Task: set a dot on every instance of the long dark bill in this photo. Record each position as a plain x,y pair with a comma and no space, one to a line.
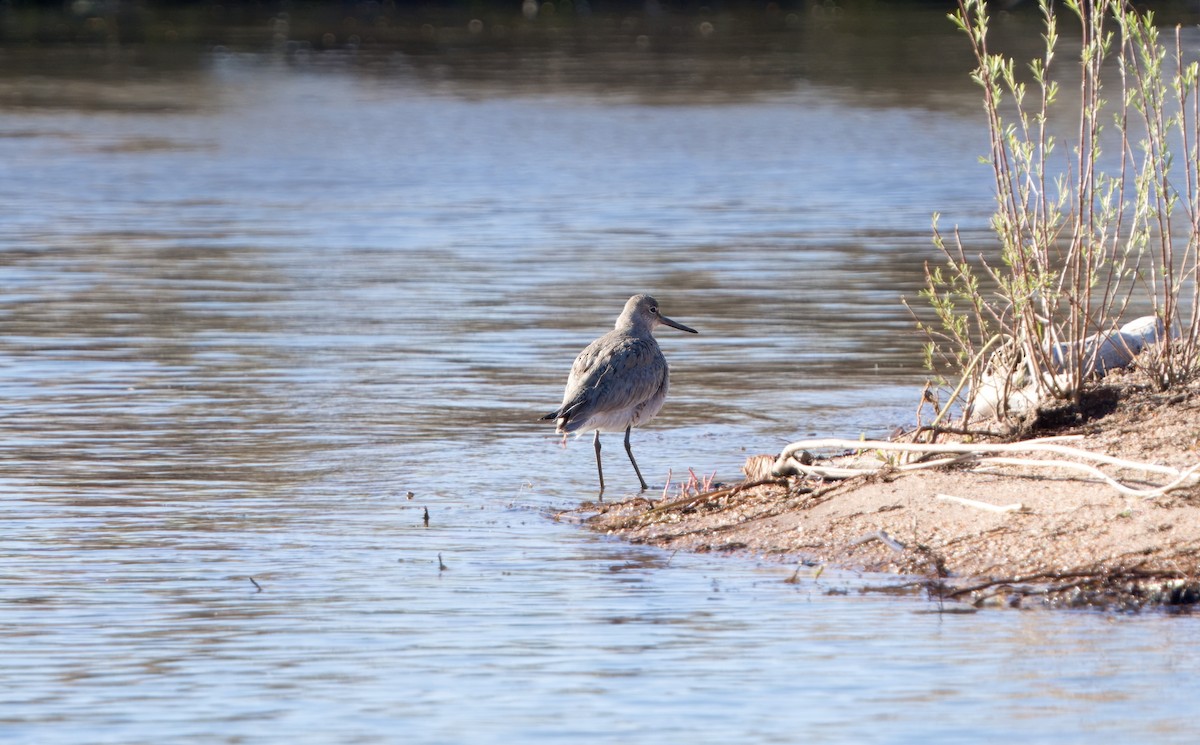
677,325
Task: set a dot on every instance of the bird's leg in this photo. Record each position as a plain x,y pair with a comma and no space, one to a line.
599,468
629,450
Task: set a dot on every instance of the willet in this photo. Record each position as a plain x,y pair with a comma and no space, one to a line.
619,381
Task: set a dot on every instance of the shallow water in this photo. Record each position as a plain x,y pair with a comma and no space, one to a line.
261,314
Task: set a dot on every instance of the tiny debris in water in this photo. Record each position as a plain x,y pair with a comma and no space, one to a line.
795,578
426,518
441,566
410,495
257,586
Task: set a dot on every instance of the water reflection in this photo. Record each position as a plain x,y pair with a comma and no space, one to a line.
880,55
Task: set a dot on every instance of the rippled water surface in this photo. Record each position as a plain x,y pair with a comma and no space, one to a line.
262,314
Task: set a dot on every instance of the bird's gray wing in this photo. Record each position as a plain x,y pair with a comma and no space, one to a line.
613,374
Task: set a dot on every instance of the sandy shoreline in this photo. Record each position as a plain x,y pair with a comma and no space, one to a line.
1073,541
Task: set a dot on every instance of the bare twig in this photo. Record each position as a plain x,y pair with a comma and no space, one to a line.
882,537
985,454
976,504
707,496
1041,445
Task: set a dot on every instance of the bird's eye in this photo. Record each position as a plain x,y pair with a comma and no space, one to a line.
654,309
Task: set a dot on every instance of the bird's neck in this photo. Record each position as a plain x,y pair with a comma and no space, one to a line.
633,327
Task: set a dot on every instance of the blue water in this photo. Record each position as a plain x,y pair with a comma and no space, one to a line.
253,329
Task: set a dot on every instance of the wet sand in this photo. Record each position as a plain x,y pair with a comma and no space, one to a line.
1065,539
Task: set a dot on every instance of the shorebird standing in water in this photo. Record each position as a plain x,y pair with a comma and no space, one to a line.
619,381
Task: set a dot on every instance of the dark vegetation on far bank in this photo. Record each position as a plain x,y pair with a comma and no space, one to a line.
254,25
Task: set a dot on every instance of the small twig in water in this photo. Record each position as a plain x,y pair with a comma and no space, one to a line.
795,578
257,586
441,566
426,518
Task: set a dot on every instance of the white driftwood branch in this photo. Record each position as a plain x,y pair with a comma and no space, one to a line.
985,454
849,472
1014,507
1044,445
1179,482
831,472
882,537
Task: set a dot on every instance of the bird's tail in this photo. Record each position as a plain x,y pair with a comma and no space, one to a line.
571,416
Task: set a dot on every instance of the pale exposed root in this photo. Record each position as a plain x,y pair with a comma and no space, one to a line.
986,455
